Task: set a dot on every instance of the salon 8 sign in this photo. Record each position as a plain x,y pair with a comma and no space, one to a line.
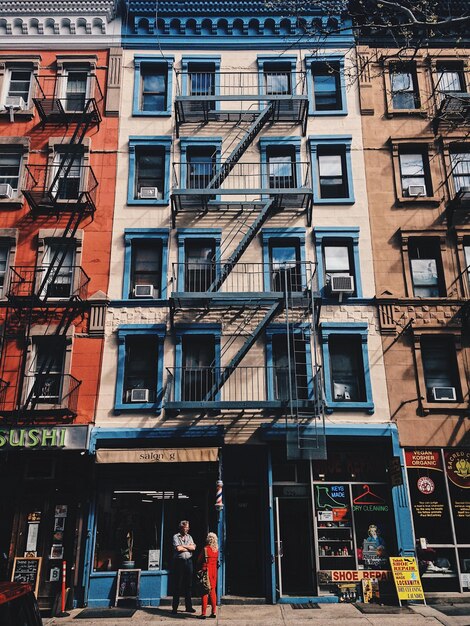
44,438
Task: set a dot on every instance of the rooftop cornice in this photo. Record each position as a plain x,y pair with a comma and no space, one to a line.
228,7
59,7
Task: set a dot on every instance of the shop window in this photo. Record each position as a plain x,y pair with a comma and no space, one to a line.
10,169
152,86
139,381
346,363
427,274
337,253
284,262
460,169
145,263
414,173
404,87
289,366
331,170
450,78
149,170
441,375
198,258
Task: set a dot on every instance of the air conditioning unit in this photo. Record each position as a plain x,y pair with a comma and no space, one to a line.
341,392
143,291
15,102
342,283
6,191
139,395
444,394
149,193
415,191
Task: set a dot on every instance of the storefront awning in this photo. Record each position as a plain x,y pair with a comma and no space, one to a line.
157,455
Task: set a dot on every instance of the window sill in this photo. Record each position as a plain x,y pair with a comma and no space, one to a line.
434,200
437,407
334,112
137,201
148,407
27,114
146,302
331,406
406,112
151,113
12,203
329,201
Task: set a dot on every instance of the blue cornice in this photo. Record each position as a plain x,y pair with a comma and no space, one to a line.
223,7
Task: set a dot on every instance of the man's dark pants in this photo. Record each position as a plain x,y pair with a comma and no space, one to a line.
182,581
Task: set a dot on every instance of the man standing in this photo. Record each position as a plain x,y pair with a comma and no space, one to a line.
183,547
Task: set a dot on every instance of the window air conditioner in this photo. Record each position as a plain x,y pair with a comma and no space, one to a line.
444,394
149,193
15,102
139,395
6,191
143,291
342,283
414,191
341,391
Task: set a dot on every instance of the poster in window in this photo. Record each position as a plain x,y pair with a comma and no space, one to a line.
458,473
428,496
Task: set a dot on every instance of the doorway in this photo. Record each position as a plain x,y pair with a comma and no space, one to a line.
294,558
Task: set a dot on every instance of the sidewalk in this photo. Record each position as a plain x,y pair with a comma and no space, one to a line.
275,615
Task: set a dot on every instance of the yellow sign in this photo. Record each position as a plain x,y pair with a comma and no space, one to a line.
406,576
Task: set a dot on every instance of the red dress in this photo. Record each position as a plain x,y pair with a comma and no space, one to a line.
210,564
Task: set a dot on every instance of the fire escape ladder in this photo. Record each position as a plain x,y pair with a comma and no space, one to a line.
240,355
227,166
249,235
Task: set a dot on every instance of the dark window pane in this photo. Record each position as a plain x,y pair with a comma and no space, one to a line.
326,86
146,266
439,364
199,265
347,369
332,173
150,171
198,375
154,89
141,366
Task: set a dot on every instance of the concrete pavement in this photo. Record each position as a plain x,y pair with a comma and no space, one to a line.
277,615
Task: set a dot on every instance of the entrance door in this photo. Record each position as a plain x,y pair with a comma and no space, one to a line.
294,530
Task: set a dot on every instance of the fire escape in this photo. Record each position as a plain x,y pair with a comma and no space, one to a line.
250,298
60,193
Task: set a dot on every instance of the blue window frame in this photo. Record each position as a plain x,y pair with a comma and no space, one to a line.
280,162
284,263
153,83
139,382
149,170
200,157
337,252
145,263
346,366
201,77
326,85
282,377
198,258
276,75
332,169
197,360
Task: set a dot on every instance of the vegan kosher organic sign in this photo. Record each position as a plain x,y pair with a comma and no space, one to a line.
44,438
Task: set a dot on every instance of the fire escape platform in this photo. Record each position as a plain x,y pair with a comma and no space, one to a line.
203,200
221,299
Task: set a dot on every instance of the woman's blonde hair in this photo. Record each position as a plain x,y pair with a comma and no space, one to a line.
211,541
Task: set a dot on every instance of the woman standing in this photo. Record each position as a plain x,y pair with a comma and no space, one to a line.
208,560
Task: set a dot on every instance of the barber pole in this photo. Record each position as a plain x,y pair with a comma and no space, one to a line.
64,578
219,505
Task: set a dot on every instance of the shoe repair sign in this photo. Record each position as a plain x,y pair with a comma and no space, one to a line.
406,576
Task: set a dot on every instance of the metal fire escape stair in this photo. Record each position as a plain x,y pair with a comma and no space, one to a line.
239,356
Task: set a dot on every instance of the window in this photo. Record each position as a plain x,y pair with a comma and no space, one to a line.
198,258
460,167
466,251
139,382
4,263
10,168
145,263
346,365
450,78
57,270
68,185
331,162
277,79
152,85
20,85
441,375
76,90
403,86
149,170
289,367
326,85
281,168
284,259
337,254
427,274
198,375
201,166
202,80
47,368
414,173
